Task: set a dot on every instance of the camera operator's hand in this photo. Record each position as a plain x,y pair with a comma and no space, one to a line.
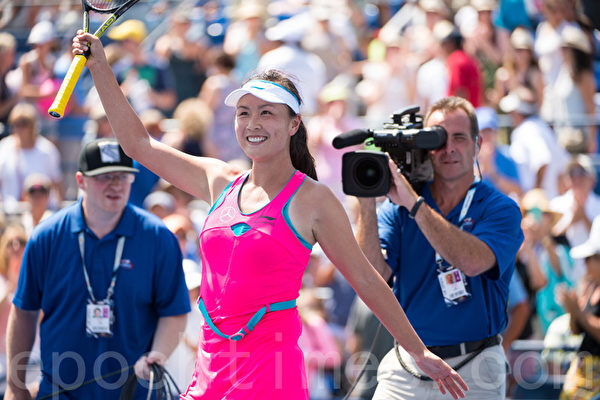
401,192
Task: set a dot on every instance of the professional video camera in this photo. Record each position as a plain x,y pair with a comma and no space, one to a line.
365,173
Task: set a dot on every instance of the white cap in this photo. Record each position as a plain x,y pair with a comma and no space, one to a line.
592,245
290,30
265,90
520,100
42,32
574,37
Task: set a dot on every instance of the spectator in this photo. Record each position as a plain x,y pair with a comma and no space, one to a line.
144,80
77,242
26,152
581,381
548,262
37,195
570,105
540,160
221,142
325,41
332,119
322,353
432,76
579,205
483,42
387,85
464,78
37,65
97,126
548,43
194,118
289,56
184,53
520,68
519,311
12,245
146,180
187,237
245,39
160,203
8,99
497,166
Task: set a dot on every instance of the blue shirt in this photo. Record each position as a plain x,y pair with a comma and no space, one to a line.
150,284
493,218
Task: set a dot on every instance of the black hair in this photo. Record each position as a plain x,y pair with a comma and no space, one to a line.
302,160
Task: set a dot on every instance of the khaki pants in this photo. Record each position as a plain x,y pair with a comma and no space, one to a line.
485,375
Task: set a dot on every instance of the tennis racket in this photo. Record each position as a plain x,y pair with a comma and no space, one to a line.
117,8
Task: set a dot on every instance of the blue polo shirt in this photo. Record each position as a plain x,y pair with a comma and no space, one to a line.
493,218
150,284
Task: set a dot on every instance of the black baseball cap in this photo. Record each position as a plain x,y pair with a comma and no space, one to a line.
102,156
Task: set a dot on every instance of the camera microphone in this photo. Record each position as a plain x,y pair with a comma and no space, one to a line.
350,138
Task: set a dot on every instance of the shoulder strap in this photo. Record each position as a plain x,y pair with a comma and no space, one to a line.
289,189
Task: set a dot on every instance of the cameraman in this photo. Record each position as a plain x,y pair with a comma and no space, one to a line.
459,237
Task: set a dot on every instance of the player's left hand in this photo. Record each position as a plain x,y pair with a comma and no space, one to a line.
441,373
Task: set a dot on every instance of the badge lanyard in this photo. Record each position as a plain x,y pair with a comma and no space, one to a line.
99,313
453,282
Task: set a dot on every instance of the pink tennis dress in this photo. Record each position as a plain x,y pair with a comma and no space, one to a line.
251,263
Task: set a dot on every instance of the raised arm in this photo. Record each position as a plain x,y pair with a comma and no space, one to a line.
202,177
331,228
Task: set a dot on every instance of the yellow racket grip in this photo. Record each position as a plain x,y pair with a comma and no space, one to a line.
57,109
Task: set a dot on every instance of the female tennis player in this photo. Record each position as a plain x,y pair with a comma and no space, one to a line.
257,240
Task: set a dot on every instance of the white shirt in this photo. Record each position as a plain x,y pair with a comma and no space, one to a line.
306,69
578,232
17,164
533,145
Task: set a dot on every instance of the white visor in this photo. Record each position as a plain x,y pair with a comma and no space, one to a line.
264,90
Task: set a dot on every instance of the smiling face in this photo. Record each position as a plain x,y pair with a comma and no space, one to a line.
454,161
263,129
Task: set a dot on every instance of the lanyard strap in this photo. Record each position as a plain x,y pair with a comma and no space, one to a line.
463,213
116,265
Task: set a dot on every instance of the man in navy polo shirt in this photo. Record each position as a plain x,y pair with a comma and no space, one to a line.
109,281
451,248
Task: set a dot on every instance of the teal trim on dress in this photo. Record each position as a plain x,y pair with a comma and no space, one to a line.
240,228
221,197
255,211
286,217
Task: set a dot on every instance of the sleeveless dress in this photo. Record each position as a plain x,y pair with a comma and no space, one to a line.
249,261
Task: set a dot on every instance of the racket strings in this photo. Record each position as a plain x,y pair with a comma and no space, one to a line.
106,5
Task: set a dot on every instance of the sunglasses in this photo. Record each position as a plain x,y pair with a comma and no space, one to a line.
37,190
20,123
16,244
577,172
124,177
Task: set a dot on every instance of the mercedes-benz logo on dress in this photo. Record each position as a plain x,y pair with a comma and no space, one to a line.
227,214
